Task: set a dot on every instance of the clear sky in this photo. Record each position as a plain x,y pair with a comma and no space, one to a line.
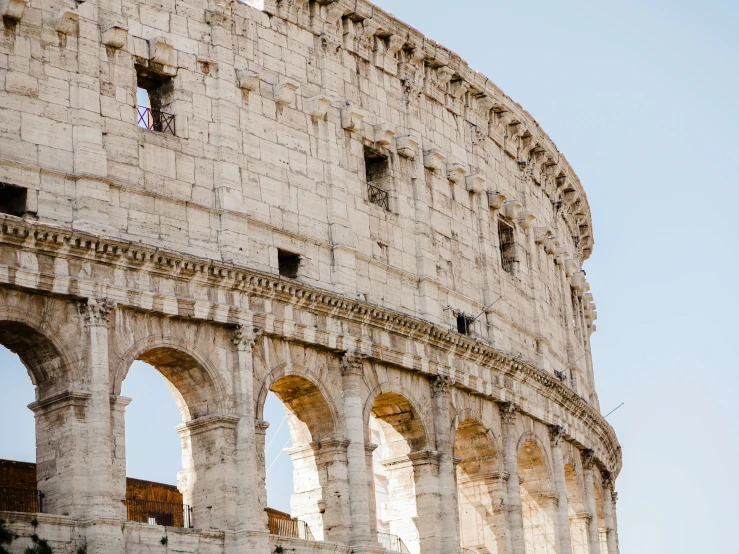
641,96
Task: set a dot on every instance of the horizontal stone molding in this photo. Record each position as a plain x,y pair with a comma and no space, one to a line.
57,242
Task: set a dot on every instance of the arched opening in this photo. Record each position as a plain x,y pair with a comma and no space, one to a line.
401,471
538,500
576,511
602,526
479,490
154,455
18,485
319,495
35,466
162,490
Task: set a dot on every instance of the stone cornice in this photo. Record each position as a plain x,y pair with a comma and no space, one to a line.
58,242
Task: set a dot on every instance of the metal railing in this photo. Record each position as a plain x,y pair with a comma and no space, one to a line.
285,526
392,542
21,500
378,197
155,120
510,265
169,514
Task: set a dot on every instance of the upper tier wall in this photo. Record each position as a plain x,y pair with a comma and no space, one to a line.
275,112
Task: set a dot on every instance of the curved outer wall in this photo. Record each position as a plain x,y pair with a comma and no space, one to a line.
415,192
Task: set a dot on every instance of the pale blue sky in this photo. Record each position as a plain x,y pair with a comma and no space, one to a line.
642,99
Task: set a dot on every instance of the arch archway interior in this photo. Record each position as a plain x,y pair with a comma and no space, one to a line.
477,486
537,500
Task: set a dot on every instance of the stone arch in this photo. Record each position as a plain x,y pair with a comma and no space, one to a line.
402,461
38,330
320,495
480,485
538,500
302,392
396,400
36,341
599,511
197,388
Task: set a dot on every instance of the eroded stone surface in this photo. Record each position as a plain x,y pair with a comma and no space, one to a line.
437,298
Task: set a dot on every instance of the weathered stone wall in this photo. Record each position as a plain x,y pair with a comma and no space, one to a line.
139,244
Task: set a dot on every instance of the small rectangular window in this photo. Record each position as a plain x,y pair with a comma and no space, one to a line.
154,95
379,179
464,323
289,264
13,199
507,238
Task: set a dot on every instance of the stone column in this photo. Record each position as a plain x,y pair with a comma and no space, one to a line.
449,515
369,451
207,484
99,462
430,519
322,495
560,487
61,446
260,430
589,500
352,369
508,416
609,512
250,513
118,406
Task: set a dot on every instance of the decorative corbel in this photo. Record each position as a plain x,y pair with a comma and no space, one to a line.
407,146
525,219
541,234
395,44
551,244
496,199
160,50
351,118
459,88
369,28
248,80
485,103
285,92
317,106
577,281
444,75
455,172
433,159
12,9
383,134
66,21
510,209
114,35
570,267
476,183
516,130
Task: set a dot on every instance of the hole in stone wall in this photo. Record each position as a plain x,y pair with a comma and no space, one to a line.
289,264
507,239
379,178
13,199
464,323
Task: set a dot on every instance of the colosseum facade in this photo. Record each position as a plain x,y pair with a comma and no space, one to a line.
311,198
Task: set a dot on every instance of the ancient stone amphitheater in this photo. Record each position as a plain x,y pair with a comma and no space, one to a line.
311,198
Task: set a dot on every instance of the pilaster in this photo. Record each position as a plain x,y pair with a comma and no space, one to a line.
609,513
556,433
588,464
508,418
352,370
449,518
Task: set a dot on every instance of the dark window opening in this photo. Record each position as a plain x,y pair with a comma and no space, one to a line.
289,264
154,96
13,199
379,179
507,237
464,323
